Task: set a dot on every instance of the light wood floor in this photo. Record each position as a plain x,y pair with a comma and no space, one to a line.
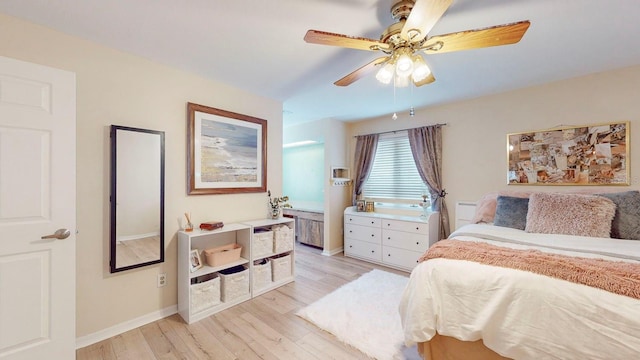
137,251
265,327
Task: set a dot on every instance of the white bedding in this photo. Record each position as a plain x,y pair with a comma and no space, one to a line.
522,315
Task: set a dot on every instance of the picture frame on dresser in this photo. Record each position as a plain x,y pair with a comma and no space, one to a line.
226,152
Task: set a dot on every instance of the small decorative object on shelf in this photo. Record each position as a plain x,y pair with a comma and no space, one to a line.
211,225
189,226
276,204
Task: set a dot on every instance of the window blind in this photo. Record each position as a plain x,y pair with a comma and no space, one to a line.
394,174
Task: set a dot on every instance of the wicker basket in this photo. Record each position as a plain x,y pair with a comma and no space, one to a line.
280,267
262,244
223,254
235,285
205,294
262,274
282,239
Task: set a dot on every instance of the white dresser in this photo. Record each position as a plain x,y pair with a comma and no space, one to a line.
391,240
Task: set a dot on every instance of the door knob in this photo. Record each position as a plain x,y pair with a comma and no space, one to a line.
59,234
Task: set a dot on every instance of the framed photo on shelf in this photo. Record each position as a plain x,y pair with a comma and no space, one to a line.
226,152
360,205
195,262
579,155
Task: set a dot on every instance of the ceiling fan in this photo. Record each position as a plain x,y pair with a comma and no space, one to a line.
408,36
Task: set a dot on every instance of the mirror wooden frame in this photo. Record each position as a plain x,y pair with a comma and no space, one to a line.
113,199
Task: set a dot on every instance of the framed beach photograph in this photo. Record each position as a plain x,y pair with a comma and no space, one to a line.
227,152
195,262
580,155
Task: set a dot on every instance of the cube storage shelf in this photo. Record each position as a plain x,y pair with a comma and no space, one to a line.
200,293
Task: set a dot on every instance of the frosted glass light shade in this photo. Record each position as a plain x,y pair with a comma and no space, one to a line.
420,69
385,74
404,65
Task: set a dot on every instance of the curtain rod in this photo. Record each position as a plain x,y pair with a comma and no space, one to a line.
395,131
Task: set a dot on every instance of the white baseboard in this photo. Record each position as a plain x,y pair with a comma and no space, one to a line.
332,252
125,326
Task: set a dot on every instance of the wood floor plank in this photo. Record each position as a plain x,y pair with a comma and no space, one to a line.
263,328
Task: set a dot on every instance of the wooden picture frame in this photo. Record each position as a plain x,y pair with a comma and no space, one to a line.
195,261
360,205
226,152
580,155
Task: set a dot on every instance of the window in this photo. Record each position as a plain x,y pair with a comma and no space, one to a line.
394,175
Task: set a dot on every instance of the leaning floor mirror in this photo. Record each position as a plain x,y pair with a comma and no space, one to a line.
137,198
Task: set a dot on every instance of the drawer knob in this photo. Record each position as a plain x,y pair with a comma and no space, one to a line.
372,222
350,231
388,254
350,246
372,235
417,242
389,238
373,251
417,228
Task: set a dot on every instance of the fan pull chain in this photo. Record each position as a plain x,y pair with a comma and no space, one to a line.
395,116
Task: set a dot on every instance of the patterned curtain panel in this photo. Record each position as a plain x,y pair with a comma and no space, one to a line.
426,146
366,146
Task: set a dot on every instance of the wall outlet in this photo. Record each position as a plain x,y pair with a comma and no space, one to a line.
162,279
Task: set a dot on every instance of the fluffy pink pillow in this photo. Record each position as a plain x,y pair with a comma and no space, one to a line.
486,206
570,214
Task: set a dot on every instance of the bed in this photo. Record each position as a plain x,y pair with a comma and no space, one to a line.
466,302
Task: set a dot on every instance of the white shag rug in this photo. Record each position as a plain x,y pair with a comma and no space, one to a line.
364,314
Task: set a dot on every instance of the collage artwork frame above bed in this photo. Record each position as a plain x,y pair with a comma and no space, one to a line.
534,275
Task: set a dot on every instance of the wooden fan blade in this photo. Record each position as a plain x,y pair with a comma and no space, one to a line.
423,17
352,42
480,38
428,80
361,72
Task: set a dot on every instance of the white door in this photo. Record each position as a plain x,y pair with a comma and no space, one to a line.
37,197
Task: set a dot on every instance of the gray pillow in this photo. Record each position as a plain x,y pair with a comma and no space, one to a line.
626,222
511,212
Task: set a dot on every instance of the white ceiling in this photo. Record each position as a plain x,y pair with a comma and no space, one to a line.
257,45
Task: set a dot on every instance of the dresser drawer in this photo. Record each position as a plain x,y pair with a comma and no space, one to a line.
362,220
362,249
363,233
405,240
407,226
400,257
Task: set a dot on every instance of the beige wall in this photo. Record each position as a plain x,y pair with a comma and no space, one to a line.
474,150
117,88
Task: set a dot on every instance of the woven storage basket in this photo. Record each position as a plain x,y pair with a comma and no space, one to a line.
204,295
282,239
262,244
280,267
223,254
262,274
235,285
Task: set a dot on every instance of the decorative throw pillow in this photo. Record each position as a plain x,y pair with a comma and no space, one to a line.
626,222
570,214
511,212
486,206
485,209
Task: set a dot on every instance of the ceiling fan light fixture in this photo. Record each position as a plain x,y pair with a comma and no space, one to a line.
404,65
420,69
385,74
401,81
